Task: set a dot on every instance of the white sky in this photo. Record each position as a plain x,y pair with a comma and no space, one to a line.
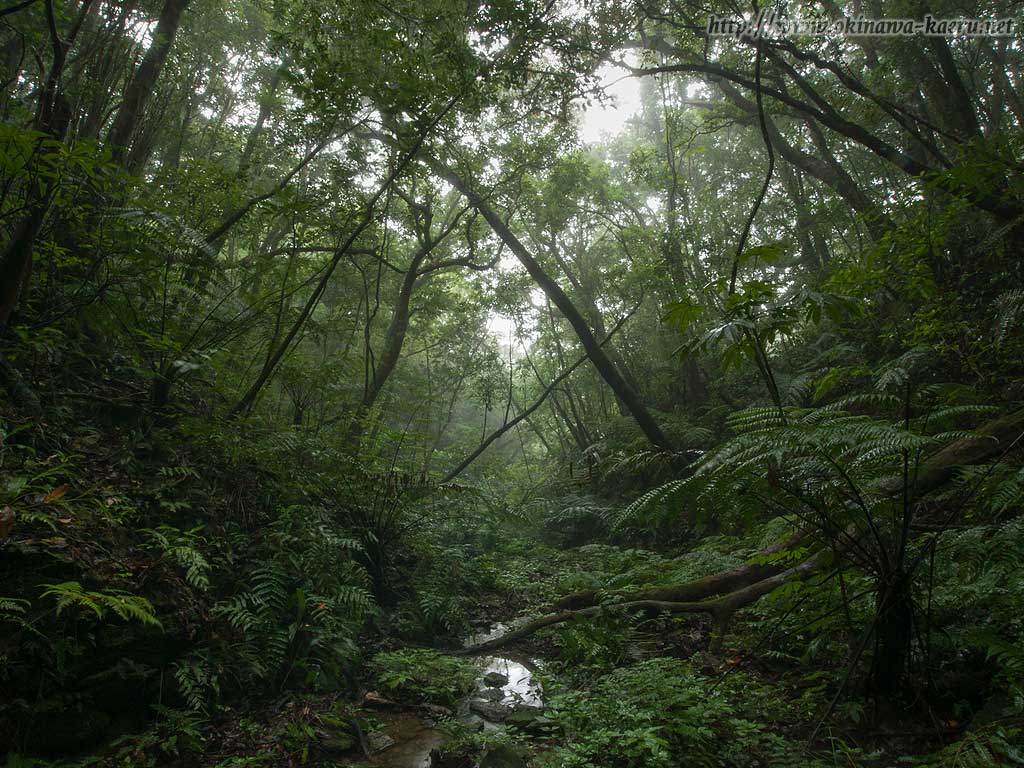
603,121
599,123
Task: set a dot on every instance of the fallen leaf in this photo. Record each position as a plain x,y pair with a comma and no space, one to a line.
56,493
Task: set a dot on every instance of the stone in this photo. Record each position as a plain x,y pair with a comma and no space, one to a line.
472,723
502,756
374,699
495,679
528,719
336,743
490,710
378,741
435,710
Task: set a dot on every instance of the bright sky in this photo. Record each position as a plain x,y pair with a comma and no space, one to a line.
599,122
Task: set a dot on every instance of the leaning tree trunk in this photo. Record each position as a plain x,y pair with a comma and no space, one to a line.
143,82
554,292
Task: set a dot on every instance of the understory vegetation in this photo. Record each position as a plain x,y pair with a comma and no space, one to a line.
374,391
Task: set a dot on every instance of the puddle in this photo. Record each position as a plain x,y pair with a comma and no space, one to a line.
414,742
521,690
495,631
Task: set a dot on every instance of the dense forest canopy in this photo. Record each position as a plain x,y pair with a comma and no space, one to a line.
345,344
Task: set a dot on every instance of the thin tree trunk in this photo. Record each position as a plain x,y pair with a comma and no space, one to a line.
525,414
52,119
247,400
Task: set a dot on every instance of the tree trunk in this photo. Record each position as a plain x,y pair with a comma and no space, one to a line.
143,82
554,292
894,609
395,338
52,119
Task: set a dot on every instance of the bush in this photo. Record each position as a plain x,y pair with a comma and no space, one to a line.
657,713
422,675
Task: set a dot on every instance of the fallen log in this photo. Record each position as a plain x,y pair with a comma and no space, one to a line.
722,594
700,589
721,608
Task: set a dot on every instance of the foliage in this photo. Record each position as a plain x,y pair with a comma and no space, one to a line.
331,326
423,675
122,604
655,713
181,547
300,608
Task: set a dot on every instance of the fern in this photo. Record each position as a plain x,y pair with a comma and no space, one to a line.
122,604
198,682
998,488
303,604
982,747
1010,308
894,375
180,547
818,453
13,610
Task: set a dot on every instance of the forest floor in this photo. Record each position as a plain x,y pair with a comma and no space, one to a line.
603,679
617,690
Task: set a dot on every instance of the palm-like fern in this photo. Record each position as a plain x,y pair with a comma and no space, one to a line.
852,478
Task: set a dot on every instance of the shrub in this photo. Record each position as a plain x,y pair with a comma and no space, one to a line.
422,675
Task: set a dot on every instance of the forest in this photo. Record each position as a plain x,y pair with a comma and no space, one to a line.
511,384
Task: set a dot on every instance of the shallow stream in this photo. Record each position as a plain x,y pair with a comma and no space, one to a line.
505,686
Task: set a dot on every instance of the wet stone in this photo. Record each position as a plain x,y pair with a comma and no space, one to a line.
502,756
379,741
495,679
336,743
494,711
471,722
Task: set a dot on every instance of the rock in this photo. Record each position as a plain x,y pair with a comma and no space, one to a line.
378,741
705,662
490,710
472,723
495,679
335,743
441,759
435,710
490,694
374,699
502,756
529,720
